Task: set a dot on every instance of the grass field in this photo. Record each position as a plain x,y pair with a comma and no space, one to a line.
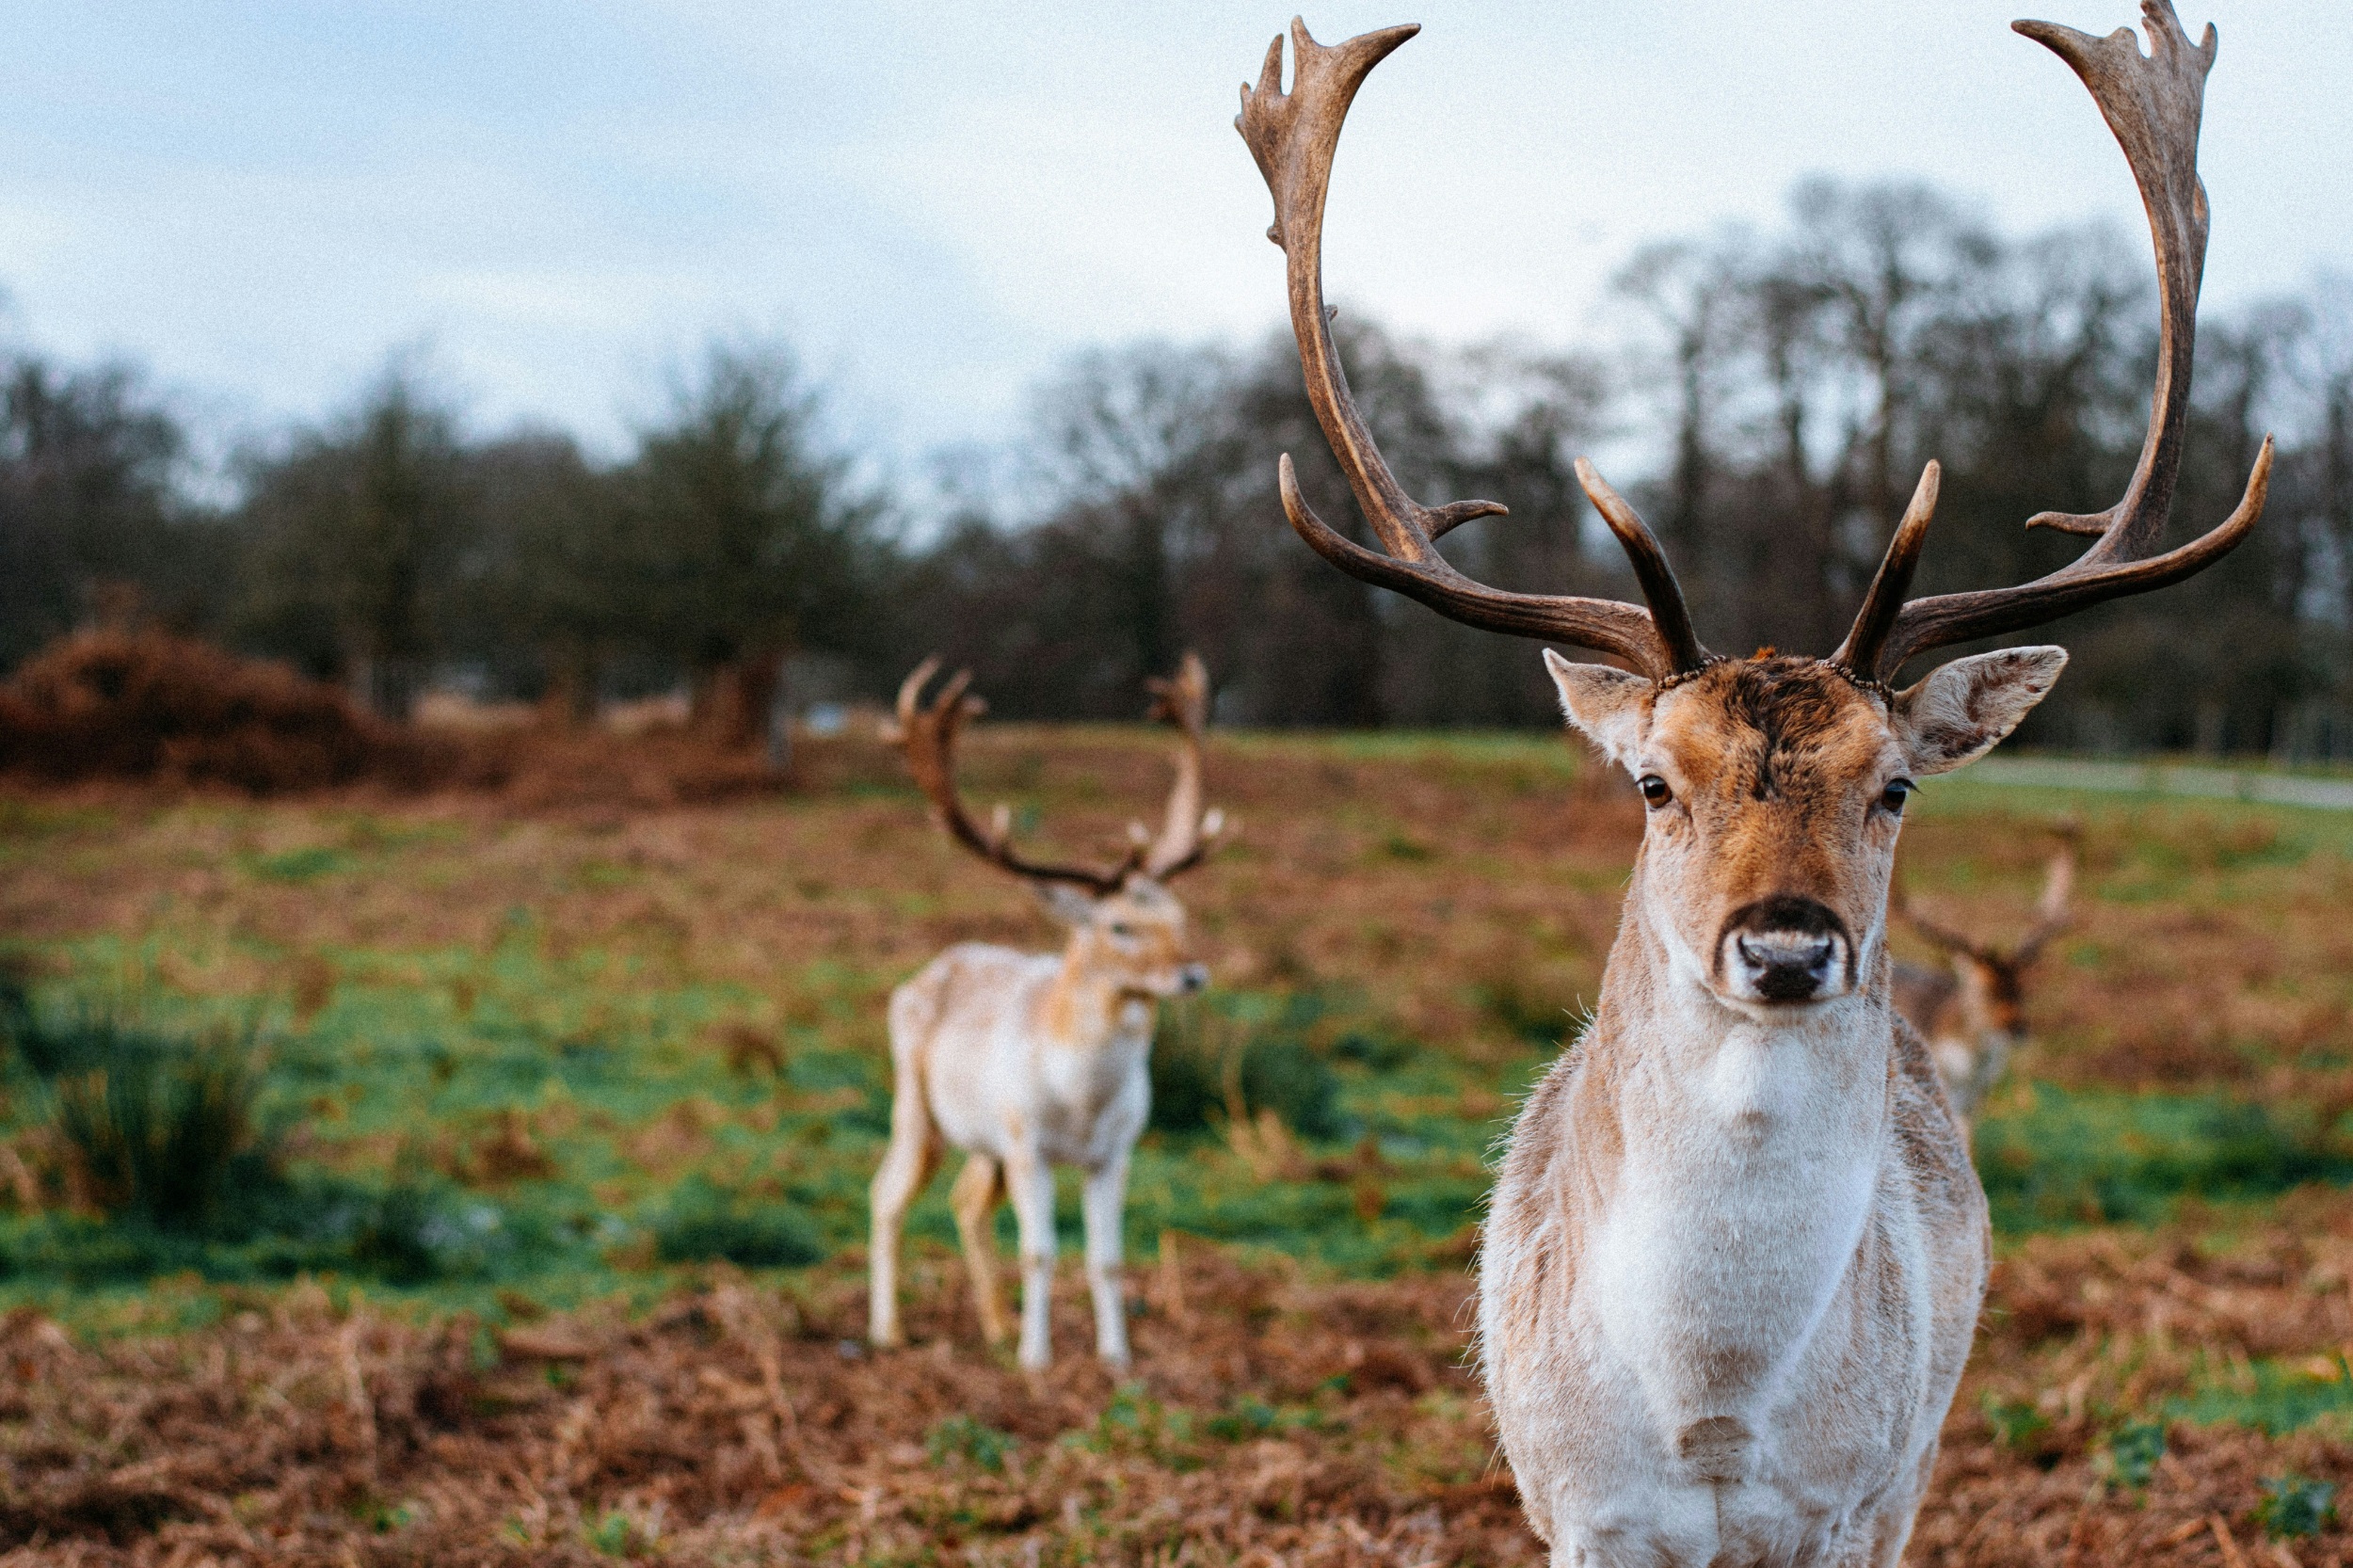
544,1236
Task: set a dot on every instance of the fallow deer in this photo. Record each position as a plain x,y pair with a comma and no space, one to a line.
1736,1252
1026,1061
1973,1013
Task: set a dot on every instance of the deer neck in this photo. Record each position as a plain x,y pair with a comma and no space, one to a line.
1087,1011
1747,1147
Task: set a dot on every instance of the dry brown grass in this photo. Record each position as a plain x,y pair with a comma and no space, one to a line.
1471,898
736,1424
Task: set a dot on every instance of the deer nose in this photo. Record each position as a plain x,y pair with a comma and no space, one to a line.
1192,977
1783,948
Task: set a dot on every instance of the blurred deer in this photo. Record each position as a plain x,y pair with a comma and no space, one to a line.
1027,1061
1736,1253
1973,1014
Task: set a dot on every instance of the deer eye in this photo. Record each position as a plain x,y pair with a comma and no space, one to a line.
1892,798
1654,790
1122,929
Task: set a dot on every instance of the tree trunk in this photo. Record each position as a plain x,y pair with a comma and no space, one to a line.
570,702
732,700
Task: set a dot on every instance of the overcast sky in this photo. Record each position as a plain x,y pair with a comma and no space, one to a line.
560,203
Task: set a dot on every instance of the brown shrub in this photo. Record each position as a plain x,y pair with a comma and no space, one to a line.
146,704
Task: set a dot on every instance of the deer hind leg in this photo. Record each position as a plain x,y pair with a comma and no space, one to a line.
1030,1181
979,1185
907,1163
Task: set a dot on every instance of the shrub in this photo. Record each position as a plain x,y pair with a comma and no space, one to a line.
703,1224
1215,1058
146,704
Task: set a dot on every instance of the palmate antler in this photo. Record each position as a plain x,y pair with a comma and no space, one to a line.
927,733
2053,915
2153,104
1293,136
1187,833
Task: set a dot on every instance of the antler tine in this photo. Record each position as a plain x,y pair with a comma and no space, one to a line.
928,736
1884,600
1943,937
2153,103
2052,914
1189,832
1293,136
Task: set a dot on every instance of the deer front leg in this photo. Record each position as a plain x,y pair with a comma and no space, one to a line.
1104,1206
975,1201
1030,1182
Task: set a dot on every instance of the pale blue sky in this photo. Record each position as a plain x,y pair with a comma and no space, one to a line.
562,202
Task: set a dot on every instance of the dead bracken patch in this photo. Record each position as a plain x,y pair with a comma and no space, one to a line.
1271,1418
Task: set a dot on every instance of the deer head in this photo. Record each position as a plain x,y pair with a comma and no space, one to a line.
1991,979
1127,930
1775,784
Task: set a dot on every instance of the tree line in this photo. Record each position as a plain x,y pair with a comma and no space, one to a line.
1779,395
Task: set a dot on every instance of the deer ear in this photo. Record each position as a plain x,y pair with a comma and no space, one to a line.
1608,706
1960,710
1065,902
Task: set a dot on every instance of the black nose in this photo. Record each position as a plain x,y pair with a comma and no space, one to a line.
1783,948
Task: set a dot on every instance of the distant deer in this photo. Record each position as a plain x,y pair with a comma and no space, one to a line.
1973,1014
1027,1061
1736,1253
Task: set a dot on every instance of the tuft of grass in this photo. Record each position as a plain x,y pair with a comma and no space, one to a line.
156,1123
2129,1454
2295,1506
2017,1426
968,1438
613,1533
705,1224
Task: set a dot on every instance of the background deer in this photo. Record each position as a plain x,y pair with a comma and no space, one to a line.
1736,1253
1026,1061
1973,1013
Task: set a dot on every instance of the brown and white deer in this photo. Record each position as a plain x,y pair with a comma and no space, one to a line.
1736,1252
1973,1012
1027,1061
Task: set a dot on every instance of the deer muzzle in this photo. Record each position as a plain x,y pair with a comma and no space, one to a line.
1784,948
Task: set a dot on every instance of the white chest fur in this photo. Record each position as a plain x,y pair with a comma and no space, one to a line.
1747,1179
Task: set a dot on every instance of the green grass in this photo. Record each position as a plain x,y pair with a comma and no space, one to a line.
2269,1397
652,1155
2054,1157
536,1114
647,1154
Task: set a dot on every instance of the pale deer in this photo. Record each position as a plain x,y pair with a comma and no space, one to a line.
1973,1013
1027,1061
1736,1252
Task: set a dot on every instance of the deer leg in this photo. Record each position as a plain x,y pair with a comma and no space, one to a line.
1104,1204
906,1163
975,1200
1030,1181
